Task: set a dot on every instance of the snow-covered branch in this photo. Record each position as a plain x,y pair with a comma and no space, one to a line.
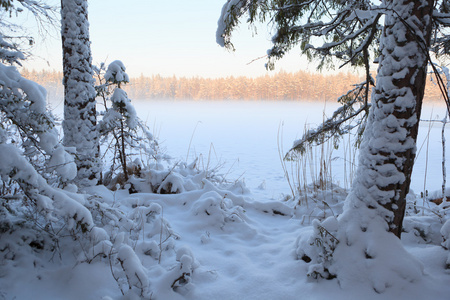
337,125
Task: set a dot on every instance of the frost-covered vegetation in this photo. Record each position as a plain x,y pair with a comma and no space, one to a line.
139,225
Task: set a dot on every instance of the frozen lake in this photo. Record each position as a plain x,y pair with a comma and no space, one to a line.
242,136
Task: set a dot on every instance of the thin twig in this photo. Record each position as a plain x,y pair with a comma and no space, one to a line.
258,58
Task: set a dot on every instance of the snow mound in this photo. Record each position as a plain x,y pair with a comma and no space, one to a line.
217,210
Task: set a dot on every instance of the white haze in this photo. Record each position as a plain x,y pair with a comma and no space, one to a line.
241,136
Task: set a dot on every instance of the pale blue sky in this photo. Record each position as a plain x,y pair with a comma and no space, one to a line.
167,37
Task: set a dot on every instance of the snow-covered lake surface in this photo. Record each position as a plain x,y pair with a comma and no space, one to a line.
243,136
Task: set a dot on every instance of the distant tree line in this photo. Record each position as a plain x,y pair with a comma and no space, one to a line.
298,86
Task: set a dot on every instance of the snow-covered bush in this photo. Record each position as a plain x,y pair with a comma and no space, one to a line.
322,244
35,213
424,218
125,137
217,210
134,271
28,125
181,177
183,270
31,157
445,231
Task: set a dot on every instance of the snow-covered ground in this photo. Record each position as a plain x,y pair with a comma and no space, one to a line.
217,240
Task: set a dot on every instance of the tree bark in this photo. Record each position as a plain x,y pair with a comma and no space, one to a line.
391,143
362,245
80,114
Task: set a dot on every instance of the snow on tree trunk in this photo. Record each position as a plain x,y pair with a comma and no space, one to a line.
79,94
389,149
362,245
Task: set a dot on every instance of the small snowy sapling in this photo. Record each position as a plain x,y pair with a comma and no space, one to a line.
120,128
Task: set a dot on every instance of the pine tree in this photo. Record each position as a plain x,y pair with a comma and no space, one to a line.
352,31
120,127
80,121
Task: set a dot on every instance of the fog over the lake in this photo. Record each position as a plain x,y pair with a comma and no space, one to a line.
241,137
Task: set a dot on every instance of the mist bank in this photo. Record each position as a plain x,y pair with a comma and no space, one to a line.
299,86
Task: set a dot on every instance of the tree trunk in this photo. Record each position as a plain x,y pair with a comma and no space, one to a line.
362,245
389,149
80,121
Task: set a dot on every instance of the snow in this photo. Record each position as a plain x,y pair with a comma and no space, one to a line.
63,164
79,121
122,104
225,18
26,103
189,230
357,248
57,203
252,257
221,239
133,268
116,73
